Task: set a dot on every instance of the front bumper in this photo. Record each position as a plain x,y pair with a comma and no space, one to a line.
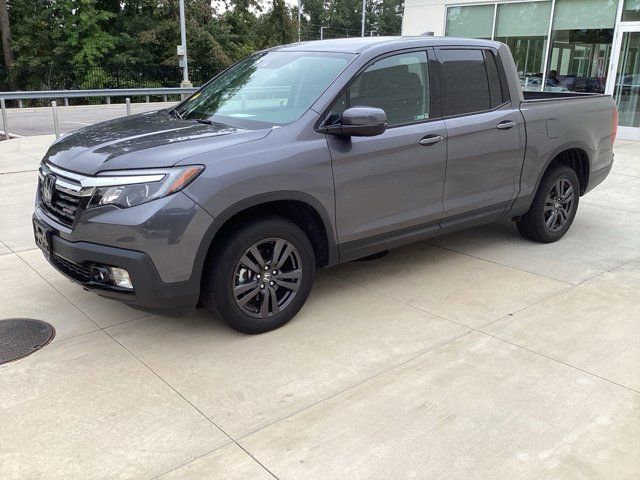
74,259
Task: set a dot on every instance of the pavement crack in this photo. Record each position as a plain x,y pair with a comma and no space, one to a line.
511,267
377,292
560,362
59,292
210,452
361,382
257,461
169,385
566,289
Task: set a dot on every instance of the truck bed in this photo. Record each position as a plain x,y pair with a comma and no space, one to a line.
558,121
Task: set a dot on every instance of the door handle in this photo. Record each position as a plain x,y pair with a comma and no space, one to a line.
431,140
506,125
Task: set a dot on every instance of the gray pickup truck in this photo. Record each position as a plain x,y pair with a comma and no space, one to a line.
309,155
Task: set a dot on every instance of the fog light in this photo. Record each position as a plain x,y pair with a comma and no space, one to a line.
120,278
100,274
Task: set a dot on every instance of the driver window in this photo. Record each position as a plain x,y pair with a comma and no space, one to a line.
399,85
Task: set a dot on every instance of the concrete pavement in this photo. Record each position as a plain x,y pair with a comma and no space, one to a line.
475,355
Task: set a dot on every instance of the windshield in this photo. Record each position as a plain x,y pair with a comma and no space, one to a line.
266,89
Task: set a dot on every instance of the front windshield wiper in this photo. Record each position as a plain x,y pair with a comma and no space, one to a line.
206,121
174,113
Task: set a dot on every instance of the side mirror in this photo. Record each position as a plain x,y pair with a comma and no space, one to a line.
359,122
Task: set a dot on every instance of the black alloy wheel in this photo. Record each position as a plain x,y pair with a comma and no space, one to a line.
554,206
267,277
559,205
260,276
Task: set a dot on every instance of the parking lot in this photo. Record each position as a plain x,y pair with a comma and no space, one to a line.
476,355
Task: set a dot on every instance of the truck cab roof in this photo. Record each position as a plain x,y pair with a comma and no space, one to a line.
362,44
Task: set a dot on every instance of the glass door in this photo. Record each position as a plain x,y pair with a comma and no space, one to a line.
625,88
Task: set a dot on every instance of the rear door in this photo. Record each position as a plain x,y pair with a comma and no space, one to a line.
484,134
392,181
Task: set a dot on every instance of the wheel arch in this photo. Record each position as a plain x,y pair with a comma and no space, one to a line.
578,160
303,209
574,155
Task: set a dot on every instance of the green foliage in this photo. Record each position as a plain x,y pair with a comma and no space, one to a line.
276,25
388,14
87,36
37,35
83,35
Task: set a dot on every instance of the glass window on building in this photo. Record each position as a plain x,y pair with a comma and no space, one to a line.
470,22
524,28
627,87
581,45
631,11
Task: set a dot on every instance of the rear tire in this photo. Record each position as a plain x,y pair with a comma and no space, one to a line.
240,284
554,206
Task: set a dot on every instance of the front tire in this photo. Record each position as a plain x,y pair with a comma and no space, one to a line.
554,206
261,276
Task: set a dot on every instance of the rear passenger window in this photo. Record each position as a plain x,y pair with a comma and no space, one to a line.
495,91
471,84
398,84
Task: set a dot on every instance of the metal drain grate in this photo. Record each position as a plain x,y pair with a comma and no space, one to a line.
20,337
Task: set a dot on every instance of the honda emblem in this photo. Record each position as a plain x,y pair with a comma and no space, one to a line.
48,186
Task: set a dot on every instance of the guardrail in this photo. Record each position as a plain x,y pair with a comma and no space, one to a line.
106,93
67,94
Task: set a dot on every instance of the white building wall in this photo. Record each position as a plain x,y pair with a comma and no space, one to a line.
422,16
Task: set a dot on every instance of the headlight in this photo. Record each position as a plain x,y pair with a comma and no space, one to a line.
133,187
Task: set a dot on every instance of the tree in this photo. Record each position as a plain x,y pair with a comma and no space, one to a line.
5,28
35,40
62,43
87,38
345,16
242,19
276,27
388,16
314,16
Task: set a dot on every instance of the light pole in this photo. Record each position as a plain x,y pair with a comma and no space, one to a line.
299,11
183,41
364,12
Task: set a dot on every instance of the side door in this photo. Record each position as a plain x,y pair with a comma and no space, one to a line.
392,181
485,135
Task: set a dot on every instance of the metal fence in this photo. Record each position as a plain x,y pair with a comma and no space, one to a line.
65,95
56,77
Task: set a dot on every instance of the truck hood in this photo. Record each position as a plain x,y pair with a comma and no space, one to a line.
148,140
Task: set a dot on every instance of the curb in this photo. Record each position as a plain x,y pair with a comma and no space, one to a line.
11,135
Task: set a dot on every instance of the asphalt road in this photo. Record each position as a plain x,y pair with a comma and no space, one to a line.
39,121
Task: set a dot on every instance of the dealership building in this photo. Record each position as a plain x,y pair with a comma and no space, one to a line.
558,45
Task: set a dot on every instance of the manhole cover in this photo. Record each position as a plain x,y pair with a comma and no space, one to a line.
20,337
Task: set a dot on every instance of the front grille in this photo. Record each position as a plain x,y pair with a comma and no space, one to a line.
64,206
68,197
74,270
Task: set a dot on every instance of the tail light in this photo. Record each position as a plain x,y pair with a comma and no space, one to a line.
614,126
